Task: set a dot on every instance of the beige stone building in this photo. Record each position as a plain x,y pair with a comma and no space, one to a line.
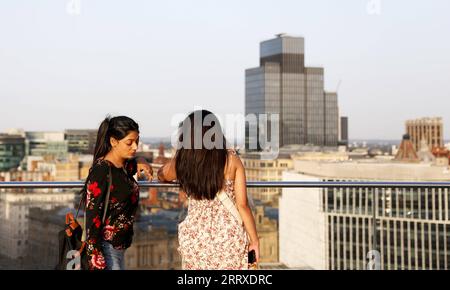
43,245
15,208
268,234
429,129
257,169
153,249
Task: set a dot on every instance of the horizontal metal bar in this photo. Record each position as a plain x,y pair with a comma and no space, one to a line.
250,184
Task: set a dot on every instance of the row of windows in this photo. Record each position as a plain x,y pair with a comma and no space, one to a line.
433,204
11,147
340,227
263,165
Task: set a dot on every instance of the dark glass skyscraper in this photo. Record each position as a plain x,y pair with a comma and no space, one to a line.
344,130
81,141
12,151
283,85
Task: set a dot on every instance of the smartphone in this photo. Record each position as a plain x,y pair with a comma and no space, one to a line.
251,257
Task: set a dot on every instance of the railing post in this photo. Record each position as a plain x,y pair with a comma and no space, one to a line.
374,220
374,255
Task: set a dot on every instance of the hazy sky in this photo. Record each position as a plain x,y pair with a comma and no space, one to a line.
153,59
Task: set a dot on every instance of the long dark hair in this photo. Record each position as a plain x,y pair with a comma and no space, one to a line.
118,128
200,167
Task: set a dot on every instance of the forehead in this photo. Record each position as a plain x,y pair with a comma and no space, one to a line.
133,135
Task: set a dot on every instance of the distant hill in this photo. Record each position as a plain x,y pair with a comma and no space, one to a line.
156,140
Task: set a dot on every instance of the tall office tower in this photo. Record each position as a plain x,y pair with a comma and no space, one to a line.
283,85
344,131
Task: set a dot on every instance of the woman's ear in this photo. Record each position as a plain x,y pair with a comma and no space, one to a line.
113,142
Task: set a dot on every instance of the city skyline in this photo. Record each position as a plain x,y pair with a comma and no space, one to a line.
167,139
356,178
108,59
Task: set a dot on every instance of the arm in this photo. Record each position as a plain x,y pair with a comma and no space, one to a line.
167,172
240,188
96,191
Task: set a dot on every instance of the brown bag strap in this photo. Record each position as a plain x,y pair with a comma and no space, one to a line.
108,191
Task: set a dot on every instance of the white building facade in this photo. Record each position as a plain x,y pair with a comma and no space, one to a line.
334,228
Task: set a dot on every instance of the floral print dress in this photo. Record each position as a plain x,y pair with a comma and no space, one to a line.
210,237
123,203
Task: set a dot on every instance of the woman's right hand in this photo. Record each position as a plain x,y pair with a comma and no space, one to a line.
143,168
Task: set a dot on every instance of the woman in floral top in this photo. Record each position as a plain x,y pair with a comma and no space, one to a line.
116,146
211,237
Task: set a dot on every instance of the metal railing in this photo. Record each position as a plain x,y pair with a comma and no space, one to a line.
250,184
263,184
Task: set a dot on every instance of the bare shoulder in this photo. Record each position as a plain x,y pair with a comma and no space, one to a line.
168,171
235,160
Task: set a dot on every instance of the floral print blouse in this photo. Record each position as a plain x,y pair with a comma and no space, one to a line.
123,203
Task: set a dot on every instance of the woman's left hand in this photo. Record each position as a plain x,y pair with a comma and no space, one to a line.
144,168
255,246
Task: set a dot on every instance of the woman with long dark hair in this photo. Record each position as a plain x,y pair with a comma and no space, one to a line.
219,229
109,222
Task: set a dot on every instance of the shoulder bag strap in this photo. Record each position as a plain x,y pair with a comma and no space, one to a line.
229,205
108,191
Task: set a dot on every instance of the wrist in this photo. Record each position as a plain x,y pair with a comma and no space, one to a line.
254,241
